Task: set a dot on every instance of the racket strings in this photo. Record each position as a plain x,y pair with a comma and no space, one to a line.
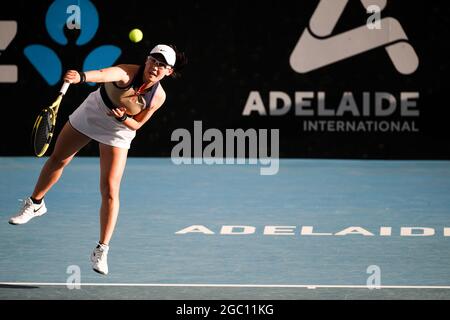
44,125
43,132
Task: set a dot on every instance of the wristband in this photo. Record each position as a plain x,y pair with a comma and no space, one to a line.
82,76
122,118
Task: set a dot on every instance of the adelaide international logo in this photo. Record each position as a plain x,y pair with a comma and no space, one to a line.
319,47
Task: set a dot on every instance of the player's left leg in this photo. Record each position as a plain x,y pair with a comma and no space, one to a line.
112,165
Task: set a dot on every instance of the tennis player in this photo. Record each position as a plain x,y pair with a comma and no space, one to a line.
128,97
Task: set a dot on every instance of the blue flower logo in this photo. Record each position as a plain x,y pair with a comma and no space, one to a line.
47,62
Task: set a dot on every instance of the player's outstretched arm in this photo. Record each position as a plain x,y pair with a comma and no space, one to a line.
120,73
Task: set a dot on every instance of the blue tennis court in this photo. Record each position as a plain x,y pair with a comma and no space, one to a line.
319,229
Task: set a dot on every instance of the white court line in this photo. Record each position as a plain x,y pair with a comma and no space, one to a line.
209,285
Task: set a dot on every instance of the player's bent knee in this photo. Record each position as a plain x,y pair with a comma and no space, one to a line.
109,192
110,196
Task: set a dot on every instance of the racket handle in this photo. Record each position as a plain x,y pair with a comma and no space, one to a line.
64,87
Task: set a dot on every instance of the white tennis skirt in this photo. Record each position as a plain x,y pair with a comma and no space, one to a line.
91,119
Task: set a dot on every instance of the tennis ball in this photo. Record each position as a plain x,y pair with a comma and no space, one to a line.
135,35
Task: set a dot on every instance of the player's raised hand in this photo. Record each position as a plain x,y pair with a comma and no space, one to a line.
72,76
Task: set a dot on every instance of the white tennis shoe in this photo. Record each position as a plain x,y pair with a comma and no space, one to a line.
99,259
28,212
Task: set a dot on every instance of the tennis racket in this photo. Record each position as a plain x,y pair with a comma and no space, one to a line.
44,126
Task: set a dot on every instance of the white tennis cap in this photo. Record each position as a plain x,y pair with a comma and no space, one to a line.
167,52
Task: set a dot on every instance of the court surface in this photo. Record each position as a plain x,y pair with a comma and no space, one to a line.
319,229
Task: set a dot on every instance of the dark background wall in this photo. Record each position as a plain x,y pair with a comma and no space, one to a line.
235,47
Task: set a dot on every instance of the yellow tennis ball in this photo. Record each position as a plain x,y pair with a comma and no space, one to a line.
135,35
